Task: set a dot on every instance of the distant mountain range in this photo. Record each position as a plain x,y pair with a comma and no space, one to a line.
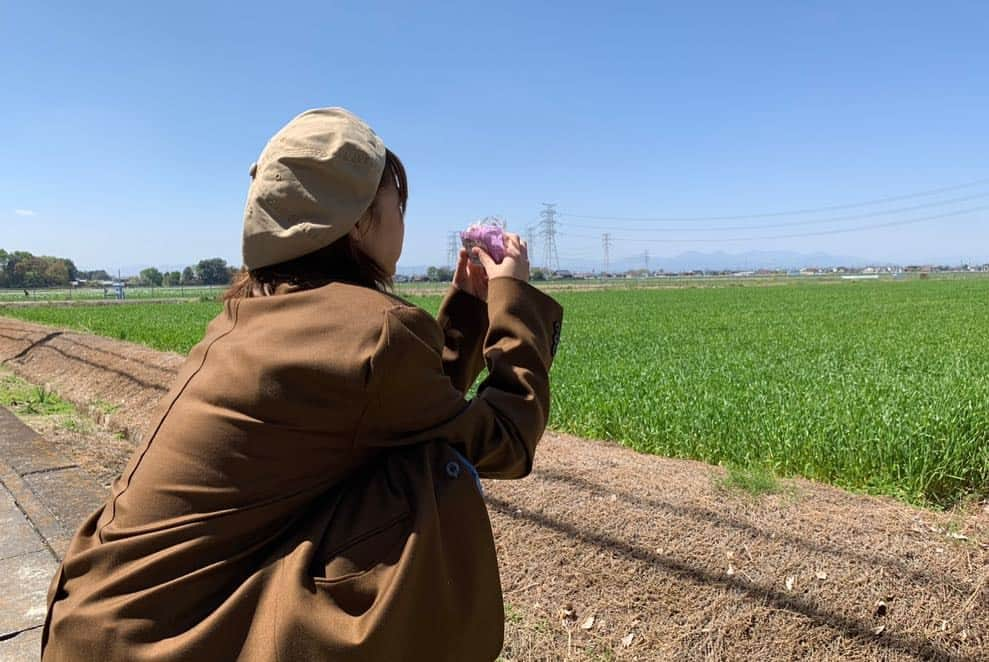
719,261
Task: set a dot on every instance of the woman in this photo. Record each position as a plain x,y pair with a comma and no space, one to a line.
307,490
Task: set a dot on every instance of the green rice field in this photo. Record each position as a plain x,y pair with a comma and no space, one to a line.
97,294
874,386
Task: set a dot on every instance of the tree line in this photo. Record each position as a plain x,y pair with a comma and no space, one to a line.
21,269
214,271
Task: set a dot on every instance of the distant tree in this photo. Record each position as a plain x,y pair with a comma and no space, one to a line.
12,274
29,271
188,276
439,274
213,272
537,274
151,276
171,279
56,272
98,274
22,269
70,266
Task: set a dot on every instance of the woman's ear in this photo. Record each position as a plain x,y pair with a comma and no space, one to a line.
363,224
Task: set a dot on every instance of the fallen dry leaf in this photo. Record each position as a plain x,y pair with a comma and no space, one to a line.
731,570
627,639
789,583
588,623
958,536
879,630
821,575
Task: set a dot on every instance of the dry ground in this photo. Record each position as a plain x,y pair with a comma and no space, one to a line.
610,554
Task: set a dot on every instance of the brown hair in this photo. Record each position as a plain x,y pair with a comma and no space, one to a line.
343,260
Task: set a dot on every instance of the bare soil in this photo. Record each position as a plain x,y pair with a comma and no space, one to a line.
609,554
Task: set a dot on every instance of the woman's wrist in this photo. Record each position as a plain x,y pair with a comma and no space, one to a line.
466,291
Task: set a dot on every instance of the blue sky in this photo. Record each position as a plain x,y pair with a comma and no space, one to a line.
128,130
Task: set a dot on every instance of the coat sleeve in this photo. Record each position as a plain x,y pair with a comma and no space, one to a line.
412,400
464,321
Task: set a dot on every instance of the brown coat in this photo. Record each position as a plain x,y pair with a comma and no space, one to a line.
306,491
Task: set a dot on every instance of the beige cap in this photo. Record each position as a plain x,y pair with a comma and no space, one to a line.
314,180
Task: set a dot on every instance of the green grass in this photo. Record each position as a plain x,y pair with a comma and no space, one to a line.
104,407
512,613
24,398
96,293
166,326
879,387
33,401
874,386
754,480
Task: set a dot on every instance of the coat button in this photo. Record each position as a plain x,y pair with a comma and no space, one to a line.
452,469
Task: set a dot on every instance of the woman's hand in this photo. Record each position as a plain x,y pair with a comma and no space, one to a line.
516,262
471,278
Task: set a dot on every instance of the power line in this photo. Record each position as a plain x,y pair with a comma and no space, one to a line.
799,234
452,249
791,212
833,219
530,238
551,260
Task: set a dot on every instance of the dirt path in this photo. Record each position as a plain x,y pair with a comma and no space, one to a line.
611,554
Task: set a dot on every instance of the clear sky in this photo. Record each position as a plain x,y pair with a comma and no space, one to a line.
127,128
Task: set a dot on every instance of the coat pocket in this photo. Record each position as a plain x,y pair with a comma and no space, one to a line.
381,545
398,564
353,575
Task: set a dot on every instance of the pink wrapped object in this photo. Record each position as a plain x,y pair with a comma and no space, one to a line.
489,235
